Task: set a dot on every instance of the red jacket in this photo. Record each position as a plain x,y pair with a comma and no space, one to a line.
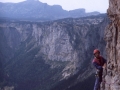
99,62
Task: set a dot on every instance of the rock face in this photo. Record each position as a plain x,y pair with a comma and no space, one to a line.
112,37
7,88
43,54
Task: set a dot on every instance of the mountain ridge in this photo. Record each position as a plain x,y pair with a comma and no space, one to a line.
39,11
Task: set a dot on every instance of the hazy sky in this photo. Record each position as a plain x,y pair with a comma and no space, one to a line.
89,5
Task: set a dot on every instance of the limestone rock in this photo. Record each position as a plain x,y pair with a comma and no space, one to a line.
65,46
112,37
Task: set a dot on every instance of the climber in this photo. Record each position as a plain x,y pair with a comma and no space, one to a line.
100,63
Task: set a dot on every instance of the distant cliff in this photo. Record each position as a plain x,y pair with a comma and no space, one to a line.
112,37
35,10
42,55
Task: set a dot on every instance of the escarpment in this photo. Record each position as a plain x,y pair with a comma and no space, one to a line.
112,37
48,55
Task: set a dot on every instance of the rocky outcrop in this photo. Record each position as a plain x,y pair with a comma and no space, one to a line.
112,37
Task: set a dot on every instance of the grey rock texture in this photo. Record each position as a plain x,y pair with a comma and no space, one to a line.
8,88
112,37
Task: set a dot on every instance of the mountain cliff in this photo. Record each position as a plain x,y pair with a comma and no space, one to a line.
112,37
37,11
50,55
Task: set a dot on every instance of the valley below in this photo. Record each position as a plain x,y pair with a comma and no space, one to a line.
52,55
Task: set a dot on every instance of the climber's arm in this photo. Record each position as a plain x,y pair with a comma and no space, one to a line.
97,66
105,64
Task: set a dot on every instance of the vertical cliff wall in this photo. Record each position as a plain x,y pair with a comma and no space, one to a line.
112,37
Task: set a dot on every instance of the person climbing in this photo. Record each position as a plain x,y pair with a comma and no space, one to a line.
99,62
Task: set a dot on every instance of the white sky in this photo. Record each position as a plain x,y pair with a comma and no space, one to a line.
89,5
